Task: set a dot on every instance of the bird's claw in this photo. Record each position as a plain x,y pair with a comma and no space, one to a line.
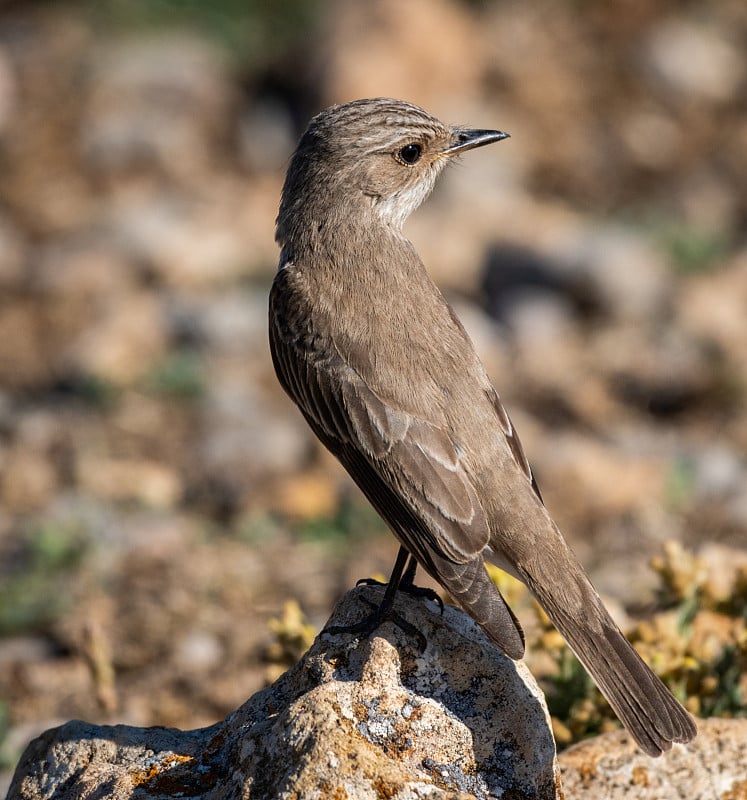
369,624
411,589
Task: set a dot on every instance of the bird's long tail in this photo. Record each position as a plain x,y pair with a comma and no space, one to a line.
644,705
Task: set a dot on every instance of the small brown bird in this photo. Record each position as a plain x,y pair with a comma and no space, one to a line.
387,378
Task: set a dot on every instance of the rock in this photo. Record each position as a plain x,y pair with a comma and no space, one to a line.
123,342
8,89
12,248
24,358
230,323
354,718
371,51
621,272
159,101
143,480
187,243
718,471
711,307
28,480
694,61
245,435
266,135
713,766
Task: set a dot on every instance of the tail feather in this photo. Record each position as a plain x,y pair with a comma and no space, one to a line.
470,586
641,701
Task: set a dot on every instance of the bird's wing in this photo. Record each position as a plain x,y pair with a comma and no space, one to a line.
380,444
409,468
512,439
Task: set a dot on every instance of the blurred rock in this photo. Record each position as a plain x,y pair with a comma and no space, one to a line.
24,356
369,52
12,253
659,370
515,275
197,242
307,496
28,480
80,282
7,411
21,649
121,480
709,205
245,439
8,89
694,60
123,341
718,472
712,306
162,102
255,217
619,268
459,719
81,271
41,181
712,767
605,480
232,322
199,651
491,345
267,136
654,140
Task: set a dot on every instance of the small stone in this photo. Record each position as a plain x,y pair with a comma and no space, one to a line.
199,651
124,342
8,90
694,60
307,496
618,268
120,480
12,252
28,482
266,136
159,100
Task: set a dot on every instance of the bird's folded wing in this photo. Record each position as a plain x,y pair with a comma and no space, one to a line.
422,462
412,473
415,457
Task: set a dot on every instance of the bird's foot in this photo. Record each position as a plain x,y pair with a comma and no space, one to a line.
408,588
381,613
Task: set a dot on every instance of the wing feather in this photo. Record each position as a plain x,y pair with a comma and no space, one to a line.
410,469
418,457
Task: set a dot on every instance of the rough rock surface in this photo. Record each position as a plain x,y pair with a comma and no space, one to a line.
369,718
712,767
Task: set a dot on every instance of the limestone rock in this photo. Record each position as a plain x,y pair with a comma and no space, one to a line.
365,718
712,767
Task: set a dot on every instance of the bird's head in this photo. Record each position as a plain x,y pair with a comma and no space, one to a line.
380,153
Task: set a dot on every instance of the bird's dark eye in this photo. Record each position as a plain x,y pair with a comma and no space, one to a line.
410,153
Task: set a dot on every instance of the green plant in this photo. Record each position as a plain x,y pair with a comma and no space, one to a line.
179,376
38,589
252,31
353,519
7,758
693,249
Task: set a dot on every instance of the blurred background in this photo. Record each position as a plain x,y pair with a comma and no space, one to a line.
161,501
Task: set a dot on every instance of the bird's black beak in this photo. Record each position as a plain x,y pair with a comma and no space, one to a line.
468,138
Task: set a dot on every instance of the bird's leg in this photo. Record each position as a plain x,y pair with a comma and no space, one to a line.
385,610
408,586
407,582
